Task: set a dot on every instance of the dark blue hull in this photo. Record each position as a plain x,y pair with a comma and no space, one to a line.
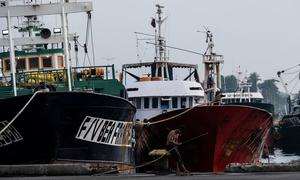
67,126
289,133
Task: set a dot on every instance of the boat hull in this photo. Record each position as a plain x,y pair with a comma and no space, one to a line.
289,131
56,126
235,134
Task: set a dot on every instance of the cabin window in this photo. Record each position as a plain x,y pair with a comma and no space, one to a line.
190,101
34,63
174,103
7,65
183,102
47,62
155,103
146,103
21,64
197,100
60,61
138,103
164,104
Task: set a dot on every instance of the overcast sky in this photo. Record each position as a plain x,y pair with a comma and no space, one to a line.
261,36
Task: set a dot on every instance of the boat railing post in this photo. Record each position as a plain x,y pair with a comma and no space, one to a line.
106,72
11,53
66,46
113,71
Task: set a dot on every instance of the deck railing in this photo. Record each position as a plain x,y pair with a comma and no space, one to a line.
82,77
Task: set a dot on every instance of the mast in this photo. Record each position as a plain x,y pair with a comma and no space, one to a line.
212,69
160,48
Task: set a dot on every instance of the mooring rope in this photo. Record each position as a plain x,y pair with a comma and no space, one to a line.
150,162
18,114
169,118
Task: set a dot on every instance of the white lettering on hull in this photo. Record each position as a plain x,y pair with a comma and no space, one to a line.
10,135
105,131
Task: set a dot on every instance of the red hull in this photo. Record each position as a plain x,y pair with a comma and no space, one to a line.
236,134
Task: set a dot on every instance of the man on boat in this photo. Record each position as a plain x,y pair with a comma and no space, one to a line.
218,98
172,146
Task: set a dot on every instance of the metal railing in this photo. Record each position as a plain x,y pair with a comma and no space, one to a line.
81,76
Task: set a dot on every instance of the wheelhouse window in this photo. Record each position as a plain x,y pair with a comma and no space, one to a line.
183,102
34,63
155,103
47,62
138,103
6,64
197,100
164,103
190,101
60,61
174,103
146,103
21,64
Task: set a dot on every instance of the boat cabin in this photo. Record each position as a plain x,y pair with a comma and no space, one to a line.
154,95
42,59
243,95
252,97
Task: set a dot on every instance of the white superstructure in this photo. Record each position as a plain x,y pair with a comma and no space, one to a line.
242,95
161,90
155,97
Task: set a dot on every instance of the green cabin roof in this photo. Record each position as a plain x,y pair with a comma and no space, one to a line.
32,53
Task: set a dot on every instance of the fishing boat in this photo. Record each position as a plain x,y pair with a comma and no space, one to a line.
159,90
52,112
288,131
244,96
214,135
289,125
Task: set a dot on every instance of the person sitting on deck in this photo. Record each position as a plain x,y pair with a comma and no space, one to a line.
172,146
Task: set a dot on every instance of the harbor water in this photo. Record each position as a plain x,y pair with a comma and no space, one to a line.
280,157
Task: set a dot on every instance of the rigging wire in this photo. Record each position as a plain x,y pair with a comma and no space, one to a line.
292,72
291,68
137,48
